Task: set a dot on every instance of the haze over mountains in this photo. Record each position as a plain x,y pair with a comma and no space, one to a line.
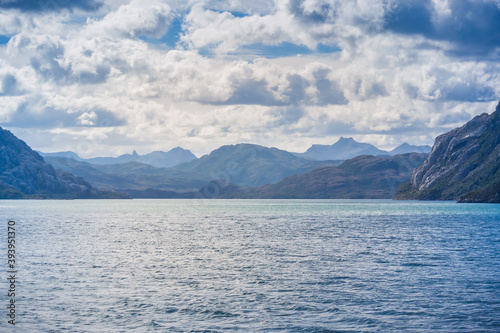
132,177
241,164
159,159
343,149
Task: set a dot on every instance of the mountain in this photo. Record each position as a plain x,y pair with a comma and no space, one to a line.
114,160
242,164
159,159
24,174
250,165
343,149
406,148
65,154
347,148
173,157
464,165
360,178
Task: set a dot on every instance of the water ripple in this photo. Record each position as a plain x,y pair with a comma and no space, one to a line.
256,266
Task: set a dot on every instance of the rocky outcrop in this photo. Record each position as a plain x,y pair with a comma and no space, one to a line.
464,164
24,174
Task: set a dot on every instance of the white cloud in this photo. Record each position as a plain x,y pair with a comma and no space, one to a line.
99,76
149,18
306,23
225,32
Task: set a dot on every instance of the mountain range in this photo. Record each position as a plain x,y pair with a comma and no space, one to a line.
464,165
252,171
159,159
343,149
242,164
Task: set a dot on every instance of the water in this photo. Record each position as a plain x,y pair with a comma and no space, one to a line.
253,266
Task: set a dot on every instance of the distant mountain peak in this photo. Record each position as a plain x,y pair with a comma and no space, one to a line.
343,149
65,154
406,148
134,153
347,148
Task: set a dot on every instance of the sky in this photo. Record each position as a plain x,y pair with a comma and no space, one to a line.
106,77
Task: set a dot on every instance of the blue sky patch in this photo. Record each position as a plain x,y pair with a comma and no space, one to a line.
4,39
286,49
171,37
327,49
175,30
237,14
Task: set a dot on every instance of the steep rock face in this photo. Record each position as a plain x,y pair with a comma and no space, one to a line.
462,161
24,173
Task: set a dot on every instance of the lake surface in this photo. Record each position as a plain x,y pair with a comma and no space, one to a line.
253,266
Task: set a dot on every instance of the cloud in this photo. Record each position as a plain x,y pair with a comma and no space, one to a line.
50,5
150,18
251,92
307,23
9,24
461,27
66,74
296,92
46,60
225,32
471,26
37,114
327,90
9,86
411,17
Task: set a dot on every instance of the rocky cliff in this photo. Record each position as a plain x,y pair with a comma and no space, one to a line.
24,174
464,165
